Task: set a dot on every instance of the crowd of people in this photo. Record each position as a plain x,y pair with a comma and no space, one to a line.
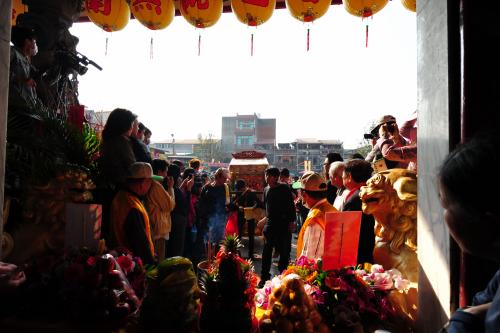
160,208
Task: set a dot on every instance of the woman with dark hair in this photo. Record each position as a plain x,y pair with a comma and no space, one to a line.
116,158
473,219
116,151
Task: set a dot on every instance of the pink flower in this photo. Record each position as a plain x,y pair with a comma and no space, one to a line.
302,261
310,289
377,268
382,281
261,299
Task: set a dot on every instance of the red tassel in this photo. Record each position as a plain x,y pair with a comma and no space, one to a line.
308,39
151,48
199,44
251,46
366,43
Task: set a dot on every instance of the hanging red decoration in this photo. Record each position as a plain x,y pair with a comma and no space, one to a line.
307,11
364,9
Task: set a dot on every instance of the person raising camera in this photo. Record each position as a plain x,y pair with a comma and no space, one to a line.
388,145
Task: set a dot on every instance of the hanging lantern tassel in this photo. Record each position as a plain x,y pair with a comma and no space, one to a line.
367,14
366,42
151,48
199,44
106,47
251,45
308,38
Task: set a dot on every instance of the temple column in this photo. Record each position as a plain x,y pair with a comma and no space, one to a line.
5,16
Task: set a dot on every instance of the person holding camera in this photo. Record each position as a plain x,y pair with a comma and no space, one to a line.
387,152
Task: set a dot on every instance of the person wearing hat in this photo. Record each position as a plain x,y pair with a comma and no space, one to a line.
388,142
312,234
129,219
22,84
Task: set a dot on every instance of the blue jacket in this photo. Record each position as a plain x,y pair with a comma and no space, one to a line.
462,321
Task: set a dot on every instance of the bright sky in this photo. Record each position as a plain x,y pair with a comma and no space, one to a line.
334,91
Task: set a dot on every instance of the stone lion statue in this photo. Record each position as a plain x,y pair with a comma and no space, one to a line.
391,197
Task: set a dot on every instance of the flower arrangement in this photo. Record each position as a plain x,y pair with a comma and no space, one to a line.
380,279
307,269
230,291
348,299
84,288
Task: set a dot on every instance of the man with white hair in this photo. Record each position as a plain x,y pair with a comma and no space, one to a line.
129,219
335,176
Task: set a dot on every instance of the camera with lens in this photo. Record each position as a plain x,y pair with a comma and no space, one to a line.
391,127
369,136
75,61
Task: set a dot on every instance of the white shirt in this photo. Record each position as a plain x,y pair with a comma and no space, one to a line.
339,199
314,239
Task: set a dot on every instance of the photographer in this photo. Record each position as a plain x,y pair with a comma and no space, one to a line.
375,152
22,90
390,146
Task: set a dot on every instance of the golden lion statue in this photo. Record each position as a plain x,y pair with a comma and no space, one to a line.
391,197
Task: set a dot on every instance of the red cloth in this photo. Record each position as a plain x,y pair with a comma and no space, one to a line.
232,224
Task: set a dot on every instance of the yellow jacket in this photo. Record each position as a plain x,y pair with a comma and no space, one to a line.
316,215
123,202
159,203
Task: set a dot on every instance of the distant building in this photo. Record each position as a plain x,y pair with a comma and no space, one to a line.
179,147
248,132
293,154
207,150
